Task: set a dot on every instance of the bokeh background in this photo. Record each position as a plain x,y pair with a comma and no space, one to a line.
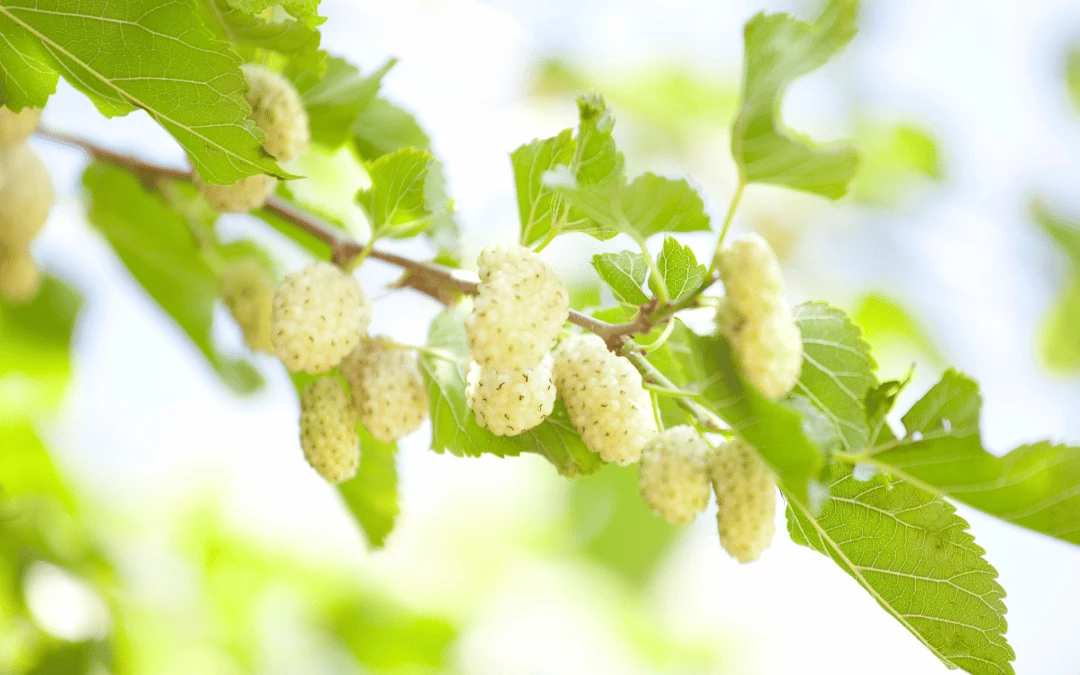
175,525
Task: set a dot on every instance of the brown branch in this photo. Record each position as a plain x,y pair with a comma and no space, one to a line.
428,278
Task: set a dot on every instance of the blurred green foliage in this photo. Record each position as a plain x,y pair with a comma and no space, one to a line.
1059,336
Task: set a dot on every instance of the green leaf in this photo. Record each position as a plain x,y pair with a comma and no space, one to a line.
837,371
306,11
679,269
1059,335
1072,75
778,50
539,206
372,496
615,528
624,273
888,325
26,468
454,428
785,433
336,100
598,162
649,205
396,202
139,54
897,160
35,350
384,127
249,33
1034,486
156,245
913,554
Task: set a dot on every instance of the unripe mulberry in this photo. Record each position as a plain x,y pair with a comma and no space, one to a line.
16,127
242,196
519,310
277,109
745,499
756,319
753,281
674,476
248,292
605,398
25,197
507,404
319,315
328,430
387,388
20,278
770,353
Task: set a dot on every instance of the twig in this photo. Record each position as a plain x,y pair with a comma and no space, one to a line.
436,281
703,418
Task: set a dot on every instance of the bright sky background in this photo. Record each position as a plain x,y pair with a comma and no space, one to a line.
146,423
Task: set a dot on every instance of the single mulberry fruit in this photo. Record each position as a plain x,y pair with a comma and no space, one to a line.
745,498
770,353
605,398
753,281
248,292
25,197
16,127
387,387
319,315
674,476
519,310
756,319
328,430
277,109
20,278
507,404
242,196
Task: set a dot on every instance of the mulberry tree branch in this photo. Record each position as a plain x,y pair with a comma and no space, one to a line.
436,281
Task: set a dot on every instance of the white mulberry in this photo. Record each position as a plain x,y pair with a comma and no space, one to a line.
605,398
507,404
756,319
770,353
319,315
328,430
387,387
277,109
745,499
20,277
519,310
674,476
16,127
25,197
248,292
242,196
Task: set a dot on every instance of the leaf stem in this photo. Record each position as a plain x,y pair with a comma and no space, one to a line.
735,199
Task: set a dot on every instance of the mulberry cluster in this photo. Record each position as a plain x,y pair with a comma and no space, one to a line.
674,476
756,319
519,310
745,500
278,110
319,315
328,430
248,293
507,404
387,388
25,199
605,398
